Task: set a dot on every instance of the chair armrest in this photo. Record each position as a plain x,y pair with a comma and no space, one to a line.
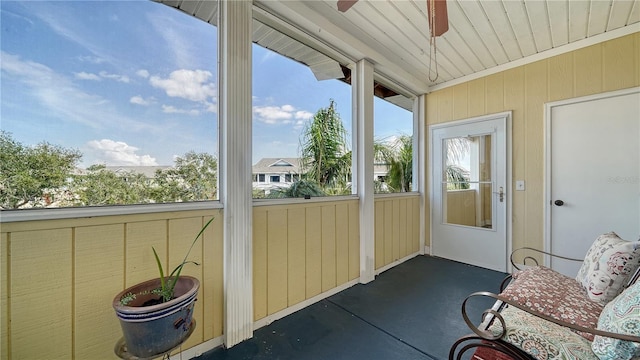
492,314
533,259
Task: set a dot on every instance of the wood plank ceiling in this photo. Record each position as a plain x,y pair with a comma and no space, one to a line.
393,34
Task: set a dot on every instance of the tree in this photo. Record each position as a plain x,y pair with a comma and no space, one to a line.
397,155
26,173
194,178
457,177
325,155
100,186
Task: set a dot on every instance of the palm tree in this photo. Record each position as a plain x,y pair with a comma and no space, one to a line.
397,155
457,177
325,155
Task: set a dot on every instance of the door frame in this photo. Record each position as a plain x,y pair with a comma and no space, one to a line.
508,116
548,108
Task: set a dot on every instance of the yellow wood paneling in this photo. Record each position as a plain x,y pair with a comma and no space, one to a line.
477,93
388,232
276,260
42,294
461,207
379,234
612,65
416,224
259,263
328,247
141,237
560,77
461,101
445,105
587,67
4,296
99,276
636,36
68,262
620,67
397,227
536,95
354,241
181,235
215,258
514,101
431,111
313,251
342,243
395,221
296,256
404,230
211,295
494,89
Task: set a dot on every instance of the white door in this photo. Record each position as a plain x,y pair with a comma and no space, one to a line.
593,173
470,191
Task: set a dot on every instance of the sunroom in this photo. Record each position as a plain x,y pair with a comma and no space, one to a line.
499,81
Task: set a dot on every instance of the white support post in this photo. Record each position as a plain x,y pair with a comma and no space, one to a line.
419,163
234,101
362,87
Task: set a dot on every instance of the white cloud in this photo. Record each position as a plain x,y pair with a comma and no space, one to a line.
60,97
187,84
103,75
87,76
285,114
303,115
91,59
139,100
116,77
112,152
173,110
142,73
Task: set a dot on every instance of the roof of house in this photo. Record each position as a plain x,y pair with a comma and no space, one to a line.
277,165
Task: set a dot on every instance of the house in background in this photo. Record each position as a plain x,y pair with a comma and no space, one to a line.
272,173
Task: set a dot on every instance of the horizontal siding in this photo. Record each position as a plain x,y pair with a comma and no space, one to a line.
59,281
397,228
302,250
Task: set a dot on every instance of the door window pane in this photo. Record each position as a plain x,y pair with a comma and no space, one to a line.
467,184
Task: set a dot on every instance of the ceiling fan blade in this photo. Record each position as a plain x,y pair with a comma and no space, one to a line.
344,5
440,17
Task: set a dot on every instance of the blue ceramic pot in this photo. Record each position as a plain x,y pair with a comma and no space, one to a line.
156,329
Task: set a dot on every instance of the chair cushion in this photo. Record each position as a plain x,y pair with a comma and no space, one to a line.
621,315
556,295
541,339
607,266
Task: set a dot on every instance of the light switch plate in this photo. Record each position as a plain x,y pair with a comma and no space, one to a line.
519,185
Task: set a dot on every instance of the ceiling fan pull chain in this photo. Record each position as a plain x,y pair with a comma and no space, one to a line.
433,53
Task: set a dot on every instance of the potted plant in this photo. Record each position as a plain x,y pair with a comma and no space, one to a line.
156,315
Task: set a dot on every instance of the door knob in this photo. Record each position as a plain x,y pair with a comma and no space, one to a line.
558,202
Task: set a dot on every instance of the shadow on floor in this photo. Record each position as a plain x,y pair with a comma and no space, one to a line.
411,311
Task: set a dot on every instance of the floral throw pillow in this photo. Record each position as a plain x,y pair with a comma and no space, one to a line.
621,315
607,267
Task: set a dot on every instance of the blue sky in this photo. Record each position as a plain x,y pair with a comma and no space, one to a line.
134,83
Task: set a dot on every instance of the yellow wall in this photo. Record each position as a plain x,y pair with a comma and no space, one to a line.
461,207
397,228
59,277
302,250
604,67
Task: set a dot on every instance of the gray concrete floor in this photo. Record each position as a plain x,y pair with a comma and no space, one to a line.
409,312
